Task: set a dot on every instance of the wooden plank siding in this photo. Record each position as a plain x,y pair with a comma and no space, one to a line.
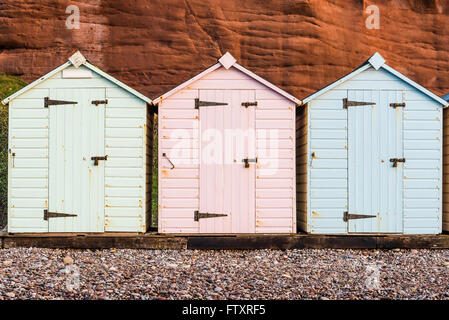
28,169
126,190
446,170
179,139
125,144
422,146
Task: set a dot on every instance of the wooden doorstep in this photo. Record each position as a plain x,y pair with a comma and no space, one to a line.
222,242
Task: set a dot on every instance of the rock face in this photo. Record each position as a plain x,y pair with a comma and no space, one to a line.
299,45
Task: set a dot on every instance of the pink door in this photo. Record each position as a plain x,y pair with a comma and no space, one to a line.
227,180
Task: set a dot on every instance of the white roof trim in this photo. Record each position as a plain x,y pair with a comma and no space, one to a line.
64,66
119,83
228,62
268,84
371,63
35,83
187,83
417,86
336,83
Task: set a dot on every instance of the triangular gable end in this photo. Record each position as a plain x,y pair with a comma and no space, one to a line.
227,61
377,62
77,60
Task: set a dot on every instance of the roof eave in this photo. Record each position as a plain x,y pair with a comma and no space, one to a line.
336,83
416,85
118,83
366,66
64,66
268,84
238,67
7,100
186,83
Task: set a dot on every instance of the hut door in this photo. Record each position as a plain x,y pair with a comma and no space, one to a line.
375,162
76,182
227,162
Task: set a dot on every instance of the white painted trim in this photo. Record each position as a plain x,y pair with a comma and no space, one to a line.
446,97
415,85
64,66
119,83
238,67
268,84
188,82
35,83
336,83
368,65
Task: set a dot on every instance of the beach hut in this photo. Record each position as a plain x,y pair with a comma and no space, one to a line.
226,154
446,168
80,146
370,155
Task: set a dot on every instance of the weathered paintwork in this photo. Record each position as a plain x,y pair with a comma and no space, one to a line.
348,158
258,199
52,167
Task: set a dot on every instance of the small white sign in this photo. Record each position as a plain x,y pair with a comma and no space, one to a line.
76,73
77,59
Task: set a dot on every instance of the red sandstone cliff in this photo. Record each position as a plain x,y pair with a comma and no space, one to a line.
300,45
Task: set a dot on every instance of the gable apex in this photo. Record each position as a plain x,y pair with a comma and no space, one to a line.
377,61
227,60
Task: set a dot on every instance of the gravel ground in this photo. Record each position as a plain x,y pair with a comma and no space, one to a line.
30,273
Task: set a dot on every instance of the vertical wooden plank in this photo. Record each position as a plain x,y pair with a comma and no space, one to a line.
226,186
76,185
52,156
251,212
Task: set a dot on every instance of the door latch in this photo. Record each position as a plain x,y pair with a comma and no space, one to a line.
96,159
247,161
166,157
396,160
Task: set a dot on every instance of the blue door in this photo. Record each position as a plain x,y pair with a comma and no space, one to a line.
375,161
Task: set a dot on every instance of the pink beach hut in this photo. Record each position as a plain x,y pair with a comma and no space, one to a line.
226,154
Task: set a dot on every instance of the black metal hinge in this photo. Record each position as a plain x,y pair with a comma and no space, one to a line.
249,104
199,103
347,103
199,215
397,105
97,102
48,102
48,215
347,216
